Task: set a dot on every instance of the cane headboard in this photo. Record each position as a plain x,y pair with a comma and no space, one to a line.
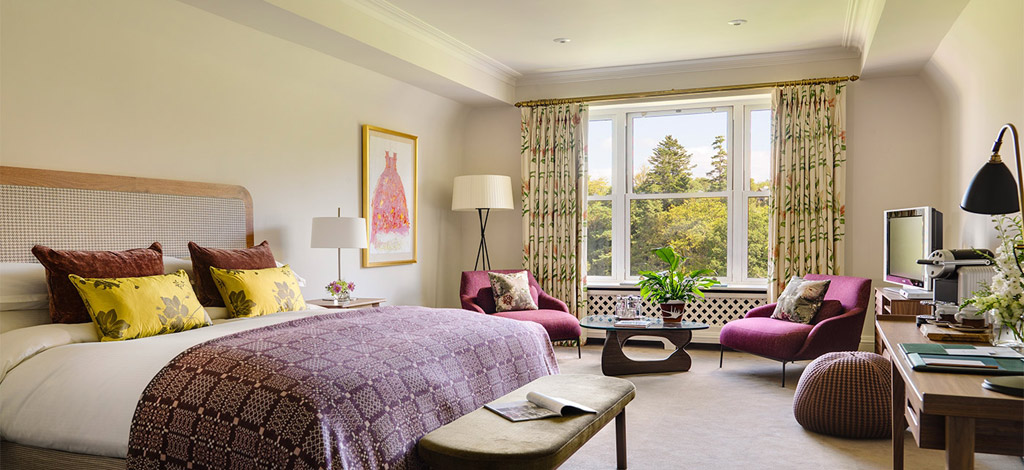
83,211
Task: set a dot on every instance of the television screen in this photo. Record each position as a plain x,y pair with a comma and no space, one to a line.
906,246
910,235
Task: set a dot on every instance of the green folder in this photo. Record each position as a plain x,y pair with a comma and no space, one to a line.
918,352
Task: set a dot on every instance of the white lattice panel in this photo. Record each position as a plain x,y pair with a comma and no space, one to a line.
716,310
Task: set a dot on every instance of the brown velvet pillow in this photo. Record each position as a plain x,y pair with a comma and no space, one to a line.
66,306
257,257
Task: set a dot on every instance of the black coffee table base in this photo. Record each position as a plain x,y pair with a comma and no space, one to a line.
615,362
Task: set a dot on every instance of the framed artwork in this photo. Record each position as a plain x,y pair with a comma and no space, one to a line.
389,196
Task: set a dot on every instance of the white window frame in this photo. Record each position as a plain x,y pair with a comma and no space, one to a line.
737,186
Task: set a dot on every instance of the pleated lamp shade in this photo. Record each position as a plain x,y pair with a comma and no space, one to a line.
473,192
339,232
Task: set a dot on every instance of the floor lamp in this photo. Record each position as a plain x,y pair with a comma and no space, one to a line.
482,193
338,232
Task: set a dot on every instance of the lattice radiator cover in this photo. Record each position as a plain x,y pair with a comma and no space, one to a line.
717,309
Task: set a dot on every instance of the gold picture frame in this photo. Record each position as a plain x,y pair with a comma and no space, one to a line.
390,196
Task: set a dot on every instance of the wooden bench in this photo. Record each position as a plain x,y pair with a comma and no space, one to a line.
484,440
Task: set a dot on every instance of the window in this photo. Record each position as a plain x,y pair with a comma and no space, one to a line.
692,175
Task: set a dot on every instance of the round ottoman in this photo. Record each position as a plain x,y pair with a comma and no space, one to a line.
846,394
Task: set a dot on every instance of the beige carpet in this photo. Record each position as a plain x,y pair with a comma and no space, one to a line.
737,417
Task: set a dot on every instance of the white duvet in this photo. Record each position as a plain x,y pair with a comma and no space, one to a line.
60,388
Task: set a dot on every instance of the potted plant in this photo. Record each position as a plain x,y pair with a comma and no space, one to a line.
673,288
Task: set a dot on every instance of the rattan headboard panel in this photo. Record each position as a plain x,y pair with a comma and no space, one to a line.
83,211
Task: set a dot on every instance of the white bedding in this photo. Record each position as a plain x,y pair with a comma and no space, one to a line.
65,390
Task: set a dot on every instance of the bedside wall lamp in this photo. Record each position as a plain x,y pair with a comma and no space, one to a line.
993,190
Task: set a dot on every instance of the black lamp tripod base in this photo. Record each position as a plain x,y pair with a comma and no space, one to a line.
481,252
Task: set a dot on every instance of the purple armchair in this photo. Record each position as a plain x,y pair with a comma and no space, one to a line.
836,327
552,314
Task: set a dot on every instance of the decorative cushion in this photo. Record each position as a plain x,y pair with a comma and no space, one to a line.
257,257
137,307
845,394
66,305
800,301
250,293
511,292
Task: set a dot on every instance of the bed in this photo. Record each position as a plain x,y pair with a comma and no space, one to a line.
308,389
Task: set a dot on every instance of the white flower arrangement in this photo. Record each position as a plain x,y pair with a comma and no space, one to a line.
1004,296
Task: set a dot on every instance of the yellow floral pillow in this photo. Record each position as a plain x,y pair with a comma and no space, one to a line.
136,307
254,292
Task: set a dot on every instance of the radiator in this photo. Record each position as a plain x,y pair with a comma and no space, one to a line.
970,280
717,309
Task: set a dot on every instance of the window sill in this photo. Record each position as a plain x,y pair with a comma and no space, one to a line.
631,286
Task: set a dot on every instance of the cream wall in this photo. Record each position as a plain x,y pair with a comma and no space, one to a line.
163,89
978,74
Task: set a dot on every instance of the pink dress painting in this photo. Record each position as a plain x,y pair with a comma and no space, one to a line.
390,224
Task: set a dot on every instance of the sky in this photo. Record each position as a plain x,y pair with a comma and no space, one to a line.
696,132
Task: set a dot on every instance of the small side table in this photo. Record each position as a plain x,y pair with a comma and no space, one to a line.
361,302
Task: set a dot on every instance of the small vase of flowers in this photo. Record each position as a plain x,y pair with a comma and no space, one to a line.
1003,298
340,290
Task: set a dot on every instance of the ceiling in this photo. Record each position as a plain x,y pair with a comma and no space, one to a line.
606,33
484,52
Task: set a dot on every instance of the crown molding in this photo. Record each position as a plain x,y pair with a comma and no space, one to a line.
419,29
685,66
861,17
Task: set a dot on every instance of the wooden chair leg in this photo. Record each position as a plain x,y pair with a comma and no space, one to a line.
620,440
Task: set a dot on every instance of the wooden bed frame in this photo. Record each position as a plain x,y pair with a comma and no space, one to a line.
17,456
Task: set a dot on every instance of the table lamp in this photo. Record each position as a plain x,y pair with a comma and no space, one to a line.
482,193
338,232
993,190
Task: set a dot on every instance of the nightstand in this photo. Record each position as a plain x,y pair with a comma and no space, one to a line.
361,302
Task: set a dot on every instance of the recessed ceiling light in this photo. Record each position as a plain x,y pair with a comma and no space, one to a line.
562,40
737,22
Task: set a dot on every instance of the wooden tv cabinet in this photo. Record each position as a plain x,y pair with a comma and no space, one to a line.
891,302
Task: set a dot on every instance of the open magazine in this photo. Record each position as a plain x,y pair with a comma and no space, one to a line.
537,406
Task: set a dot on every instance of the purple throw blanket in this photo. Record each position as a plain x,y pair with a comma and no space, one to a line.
353,389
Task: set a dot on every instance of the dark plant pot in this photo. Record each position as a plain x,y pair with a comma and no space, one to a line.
672,312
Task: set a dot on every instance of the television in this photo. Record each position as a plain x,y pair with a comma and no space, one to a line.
910,234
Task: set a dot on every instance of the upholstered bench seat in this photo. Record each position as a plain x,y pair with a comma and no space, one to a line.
484,440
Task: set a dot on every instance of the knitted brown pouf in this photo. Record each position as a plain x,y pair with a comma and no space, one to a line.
846,394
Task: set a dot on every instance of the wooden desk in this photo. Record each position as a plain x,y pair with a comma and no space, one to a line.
947,411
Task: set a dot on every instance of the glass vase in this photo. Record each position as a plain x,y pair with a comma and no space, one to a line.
1006,334
341,298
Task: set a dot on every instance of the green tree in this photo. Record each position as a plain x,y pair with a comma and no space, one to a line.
718,176
671,169
599,238
598,187
757,237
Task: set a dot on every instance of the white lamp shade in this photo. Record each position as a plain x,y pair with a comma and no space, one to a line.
473,192
339,232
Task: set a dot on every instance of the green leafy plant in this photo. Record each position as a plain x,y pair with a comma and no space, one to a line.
674,283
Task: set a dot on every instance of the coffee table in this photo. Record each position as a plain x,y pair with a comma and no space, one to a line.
615,362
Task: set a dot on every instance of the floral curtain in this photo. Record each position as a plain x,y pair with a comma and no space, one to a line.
807,216
554,161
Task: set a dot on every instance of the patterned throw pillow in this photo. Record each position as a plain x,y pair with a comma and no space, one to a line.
137,307
800,301
511,291
255,292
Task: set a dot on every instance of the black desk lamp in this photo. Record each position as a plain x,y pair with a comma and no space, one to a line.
993,190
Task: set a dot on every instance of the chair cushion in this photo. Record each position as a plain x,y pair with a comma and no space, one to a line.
512,292
777,339
801,299
845,394
485,298
559,325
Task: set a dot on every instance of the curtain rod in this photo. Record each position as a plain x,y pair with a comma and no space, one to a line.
685,91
